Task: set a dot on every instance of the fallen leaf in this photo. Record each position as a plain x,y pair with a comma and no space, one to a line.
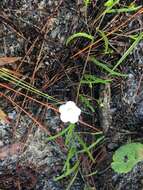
4,117
8,60
9,150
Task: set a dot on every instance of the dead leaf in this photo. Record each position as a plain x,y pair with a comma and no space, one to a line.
9,150
4,117
8,60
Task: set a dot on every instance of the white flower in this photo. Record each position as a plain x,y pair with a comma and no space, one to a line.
69,112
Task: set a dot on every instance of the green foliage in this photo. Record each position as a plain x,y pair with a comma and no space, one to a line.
85,148
60,133
105,67
87,2
93,145
69,134
121,60
111,3
86,103
76,146
80,34
69,166
126,157
92,79
72,181
91,174
124,10
68,171
106,41
129,50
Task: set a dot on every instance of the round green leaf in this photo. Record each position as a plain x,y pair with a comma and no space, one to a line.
126,157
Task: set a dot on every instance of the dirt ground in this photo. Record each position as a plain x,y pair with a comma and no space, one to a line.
35,32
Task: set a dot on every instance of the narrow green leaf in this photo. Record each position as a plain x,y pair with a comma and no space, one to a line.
123,10
70,171
79,34
93,145
106,42
91,79
59,134
69,134
91,174
87,2
111,3
86,103
70,155
128,52
72,181
85,148
105,67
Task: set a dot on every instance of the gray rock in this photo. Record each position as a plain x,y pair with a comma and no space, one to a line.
139,111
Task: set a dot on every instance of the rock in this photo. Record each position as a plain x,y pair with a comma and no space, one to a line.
139,111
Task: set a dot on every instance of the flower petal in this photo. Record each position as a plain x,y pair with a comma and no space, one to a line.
78,111
70,104
63,118
62,108
74,119
69,112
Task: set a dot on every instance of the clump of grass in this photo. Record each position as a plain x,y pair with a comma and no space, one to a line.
76,147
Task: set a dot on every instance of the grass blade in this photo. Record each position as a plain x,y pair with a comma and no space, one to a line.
5,75
71,154
135,43
92,145
91,79
91,174
86,103
106,68
59,134
87,2
72,181
111,3
70,171
69,134
106,42
124,10
85,148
